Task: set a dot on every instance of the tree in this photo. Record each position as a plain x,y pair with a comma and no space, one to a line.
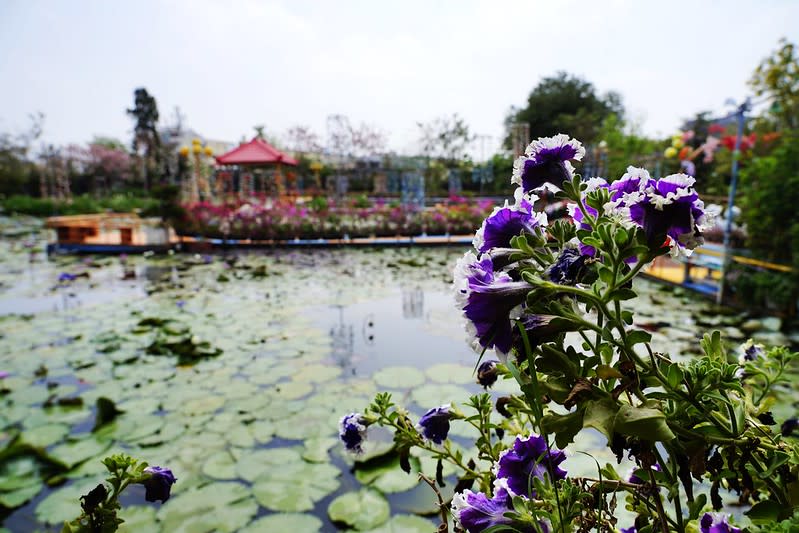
345,138
778,78
16,167
303,139
146,141
445,138
565,104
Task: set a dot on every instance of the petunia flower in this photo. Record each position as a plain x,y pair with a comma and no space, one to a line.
528,458
579,218
716,523
547,160
352,432
507,222
487,373
487,298
158,484
434,424
670,207
476,512
749,351
568,267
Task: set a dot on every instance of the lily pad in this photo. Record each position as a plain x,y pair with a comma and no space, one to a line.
251,465
317,373
388,477
405,523
362,510
295,486
433,395
316,449
222,506
75,452
44,436
451,373
220,465
279,522
136,518
293,390
399,377
64,503
17,497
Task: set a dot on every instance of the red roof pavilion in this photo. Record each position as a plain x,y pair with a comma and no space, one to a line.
256,152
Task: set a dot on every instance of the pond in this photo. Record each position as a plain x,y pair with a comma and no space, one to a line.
233,369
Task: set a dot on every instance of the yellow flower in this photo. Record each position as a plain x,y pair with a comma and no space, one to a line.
196,141
208,151
677,143
196,148
184,151
670,152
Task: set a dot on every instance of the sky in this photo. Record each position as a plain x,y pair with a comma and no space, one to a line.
230,65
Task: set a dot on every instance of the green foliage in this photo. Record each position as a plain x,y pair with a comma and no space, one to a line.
777,76
45,207
565,102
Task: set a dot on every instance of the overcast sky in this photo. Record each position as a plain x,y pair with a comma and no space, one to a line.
230,65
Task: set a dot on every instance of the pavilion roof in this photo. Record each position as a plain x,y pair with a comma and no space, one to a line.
255,152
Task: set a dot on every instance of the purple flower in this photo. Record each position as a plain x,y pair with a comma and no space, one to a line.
507,222
528,458
476,512
66,277
158,485
434,424
546,160
181,304
716,523
487,298
4,374
568,268
352,432
633,182
631,529
750,352
633,477
487,373
789,426
670,207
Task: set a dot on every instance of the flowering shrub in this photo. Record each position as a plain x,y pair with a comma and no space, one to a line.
695,430
286,219
100,506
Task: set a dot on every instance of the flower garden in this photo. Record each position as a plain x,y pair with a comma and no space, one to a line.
332,390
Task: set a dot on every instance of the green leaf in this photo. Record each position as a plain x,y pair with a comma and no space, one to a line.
606,372
697,507
295,486
764,512
623,293
637,336
564,427
285,522
674,375
642,422
363,510
601,415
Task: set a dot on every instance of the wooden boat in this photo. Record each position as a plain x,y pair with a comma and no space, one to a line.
109,233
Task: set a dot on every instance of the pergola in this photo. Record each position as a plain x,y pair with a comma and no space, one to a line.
257,154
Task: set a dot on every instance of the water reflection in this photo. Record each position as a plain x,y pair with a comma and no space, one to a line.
412,302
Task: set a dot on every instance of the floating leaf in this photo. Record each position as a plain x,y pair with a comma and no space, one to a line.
363,510
295,486
399,377
280,522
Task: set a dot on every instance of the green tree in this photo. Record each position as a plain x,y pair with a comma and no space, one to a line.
777,77
565,103
146,141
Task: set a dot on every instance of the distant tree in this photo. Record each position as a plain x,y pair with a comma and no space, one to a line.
348,139
777,77
446,138
565,104
17,170
146,141
100,166
302,139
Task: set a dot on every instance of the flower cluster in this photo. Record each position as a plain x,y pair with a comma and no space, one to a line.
527,460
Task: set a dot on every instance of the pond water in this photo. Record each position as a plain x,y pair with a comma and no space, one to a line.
233,370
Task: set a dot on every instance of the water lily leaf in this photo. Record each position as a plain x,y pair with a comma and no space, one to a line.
201,405
388,477
253,464
451,373
405,523
44,436
64,503
399,377
295,486
17,497
222,506
220,465
292,390
316,449
362,510
75,452
136,518
285,522
317,373
433,395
